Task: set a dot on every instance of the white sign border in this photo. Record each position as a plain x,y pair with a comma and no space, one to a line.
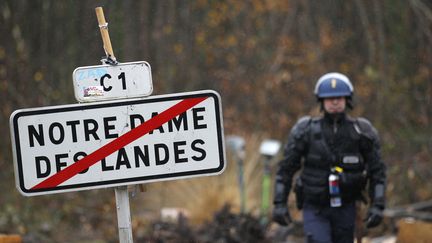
14,131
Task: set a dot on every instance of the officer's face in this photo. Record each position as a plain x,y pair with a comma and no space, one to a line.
335,104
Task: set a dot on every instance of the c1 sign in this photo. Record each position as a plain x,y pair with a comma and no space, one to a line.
87,146
107,82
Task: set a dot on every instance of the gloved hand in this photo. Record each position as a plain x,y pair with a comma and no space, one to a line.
374,216
281,214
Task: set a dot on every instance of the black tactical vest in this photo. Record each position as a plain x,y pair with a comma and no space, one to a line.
326,150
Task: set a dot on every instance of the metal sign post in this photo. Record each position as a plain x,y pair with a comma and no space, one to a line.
269,148
123,214
237,144
122,196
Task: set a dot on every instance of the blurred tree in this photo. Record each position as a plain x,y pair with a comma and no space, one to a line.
263,56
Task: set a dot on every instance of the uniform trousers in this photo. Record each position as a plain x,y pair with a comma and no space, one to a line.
325,224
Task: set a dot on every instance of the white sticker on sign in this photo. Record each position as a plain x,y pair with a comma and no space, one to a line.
93,91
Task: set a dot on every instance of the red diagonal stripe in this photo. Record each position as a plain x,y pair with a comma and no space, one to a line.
119,143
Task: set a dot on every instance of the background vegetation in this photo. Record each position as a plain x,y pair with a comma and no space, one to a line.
262,56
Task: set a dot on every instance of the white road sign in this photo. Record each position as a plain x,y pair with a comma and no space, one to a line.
107,82
113,143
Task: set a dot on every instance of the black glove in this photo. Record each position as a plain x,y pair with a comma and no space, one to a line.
374,216
375,212
281,214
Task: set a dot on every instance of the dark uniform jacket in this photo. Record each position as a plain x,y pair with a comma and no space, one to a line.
319,144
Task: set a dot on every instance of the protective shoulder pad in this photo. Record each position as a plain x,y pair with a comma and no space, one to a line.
366,128
301,125
304,120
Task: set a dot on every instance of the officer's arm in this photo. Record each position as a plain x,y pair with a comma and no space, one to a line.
291,161
376,168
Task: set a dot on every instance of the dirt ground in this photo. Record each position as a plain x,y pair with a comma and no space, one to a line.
225,227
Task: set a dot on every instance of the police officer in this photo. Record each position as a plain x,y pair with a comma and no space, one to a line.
332,144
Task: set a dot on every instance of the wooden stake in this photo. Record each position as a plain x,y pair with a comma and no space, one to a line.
103,26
